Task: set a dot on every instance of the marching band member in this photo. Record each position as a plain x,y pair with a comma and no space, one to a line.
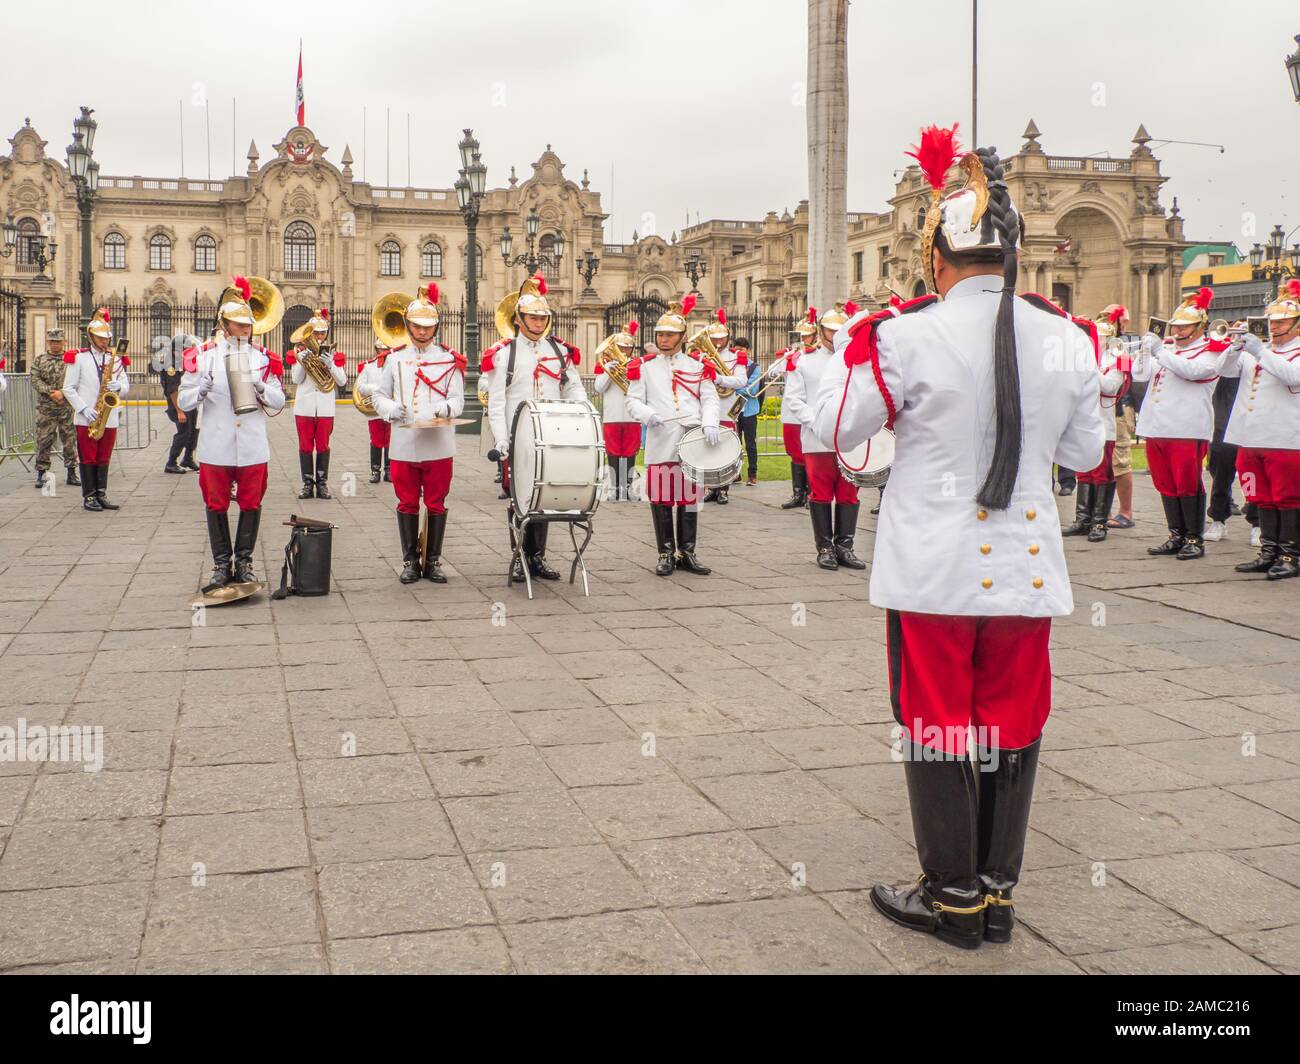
368,377
737,376
421,382
485,401
81,380
969,563
783,365
1177,420
530,365
622,430
233,449
834,502
669,393
313,409
1096,492
1265,426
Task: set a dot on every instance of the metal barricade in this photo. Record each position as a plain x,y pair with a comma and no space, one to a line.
17,418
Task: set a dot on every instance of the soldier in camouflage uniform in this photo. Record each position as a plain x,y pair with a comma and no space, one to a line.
53,412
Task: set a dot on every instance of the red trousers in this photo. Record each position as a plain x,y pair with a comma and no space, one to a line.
314,433
622,438
215,482
1176,466
793,443
667,486
948,675
825,482
411,480
1270,477
1103,474
95,452
380,432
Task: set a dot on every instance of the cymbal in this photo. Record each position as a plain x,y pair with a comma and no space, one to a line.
439,423
224,596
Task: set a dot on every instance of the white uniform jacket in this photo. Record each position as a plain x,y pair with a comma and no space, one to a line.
1114,383
937,551
544,369
429,383
1266,414
368,380
224,439
737,363
787,360
308,400
1179,404
614,411
81,384
802,385
680,386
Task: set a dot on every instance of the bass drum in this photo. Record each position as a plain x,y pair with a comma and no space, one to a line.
710,465
868,466
557,455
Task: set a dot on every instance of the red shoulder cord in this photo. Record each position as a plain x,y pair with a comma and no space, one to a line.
433,385
864,347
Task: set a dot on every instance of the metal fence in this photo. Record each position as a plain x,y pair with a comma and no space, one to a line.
13,331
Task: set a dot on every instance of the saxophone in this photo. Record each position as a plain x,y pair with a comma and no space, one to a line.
106,402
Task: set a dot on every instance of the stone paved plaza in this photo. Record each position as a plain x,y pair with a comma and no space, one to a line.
670,776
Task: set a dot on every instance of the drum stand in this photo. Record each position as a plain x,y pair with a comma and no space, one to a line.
575,522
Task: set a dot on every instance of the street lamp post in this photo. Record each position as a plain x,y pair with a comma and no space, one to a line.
470,189
587,270
532,260
696,270
1293,70
85,181
1271,262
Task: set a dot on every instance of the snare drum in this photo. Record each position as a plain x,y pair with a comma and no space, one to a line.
557,455
710,465
867,466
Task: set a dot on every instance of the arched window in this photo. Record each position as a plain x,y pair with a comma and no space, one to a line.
205,254
547,247
160,252
431,260
160,320
920,219
390,259
300,248
115,252
29,231
478,257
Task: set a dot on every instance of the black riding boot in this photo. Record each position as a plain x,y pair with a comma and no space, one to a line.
799,486
688,524
1102,500
1083,503
1269,549
219,540
89,500
408,531
1005,794
710,496
437,529
72,480
535,551
1288,561
388,478
101,489
948,900
662,516
823,535
1177,533
308,475
376,460
846,529
245,541
323,475
723,496
1193,507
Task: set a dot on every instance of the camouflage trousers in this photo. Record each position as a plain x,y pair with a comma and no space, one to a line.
50,426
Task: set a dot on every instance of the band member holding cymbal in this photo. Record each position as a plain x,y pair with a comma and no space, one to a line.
422,382
381,432
670,392
530,365
834,502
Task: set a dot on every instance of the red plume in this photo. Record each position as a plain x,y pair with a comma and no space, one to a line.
1293,287
812,315
688,305
722,316
633,328
1117,314
107,316
850,308
936,153
1204,298
325,313
432,294
894,301
241,285
541,284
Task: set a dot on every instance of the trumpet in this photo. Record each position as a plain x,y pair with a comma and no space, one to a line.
611,358
1220,330
701,344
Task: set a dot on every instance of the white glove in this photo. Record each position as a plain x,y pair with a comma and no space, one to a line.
775,372
712,435
1253,344
1151,343
205,386
654,421
399,415
442,410
259,386
115,386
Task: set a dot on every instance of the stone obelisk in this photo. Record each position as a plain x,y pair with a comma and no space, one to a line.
828,140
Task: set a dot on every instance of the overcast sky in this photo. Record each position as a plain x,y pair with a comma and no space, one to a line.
693,106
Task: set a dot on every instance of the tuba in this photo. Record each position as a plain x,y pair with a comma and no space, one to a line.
701,343
312,362
388,319
611,357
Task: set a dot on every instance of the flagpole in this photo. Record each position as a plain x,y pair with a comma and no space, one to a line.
180,121
207,121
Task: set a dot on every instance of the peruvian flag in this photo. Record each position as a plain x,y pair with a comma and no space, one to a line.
298,97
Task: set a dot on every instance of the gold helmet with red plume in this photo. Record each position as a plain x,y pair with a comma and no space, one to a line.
530,299
719,330
674,319
1194,310
627,338
1110,322
1287,304
423,309
320,321
834,319
235,304
101,325
808,326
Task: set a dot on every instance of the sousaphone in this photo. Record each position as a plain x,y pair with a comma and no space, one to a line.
388,319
